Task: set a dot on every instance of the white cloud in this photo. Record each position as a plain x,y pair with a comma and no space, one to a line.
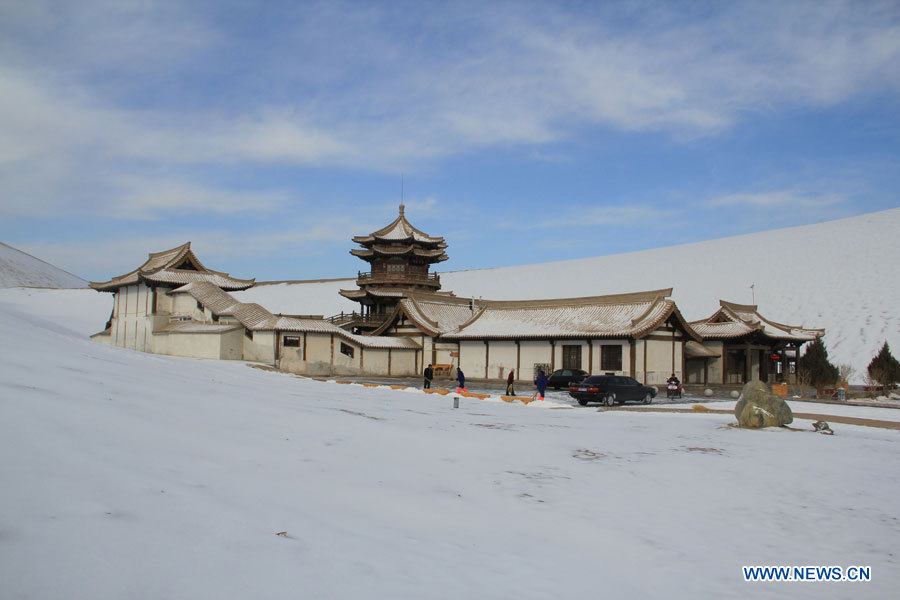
779,198
394,89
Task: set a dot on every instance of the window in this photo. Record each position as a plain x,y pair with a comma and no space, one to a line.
393,268
571,357
345,349
611,357
248,333
292,341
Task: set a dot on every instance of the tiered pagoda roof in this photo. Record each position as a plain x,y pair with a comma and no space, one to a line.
401,239
733,321
172,268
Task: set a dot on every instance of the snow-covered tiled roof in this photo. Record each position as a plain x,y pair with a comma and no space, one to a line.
195,327
399,230
620,315
737,320
176,266
257,318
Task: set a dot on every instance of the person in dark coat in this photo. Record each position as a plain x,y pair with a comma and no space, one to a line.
541,384
429,376
509,383
461,378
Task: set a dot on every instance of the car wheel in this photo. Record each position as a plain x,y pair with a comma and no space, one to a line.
610,400
582,402
647,398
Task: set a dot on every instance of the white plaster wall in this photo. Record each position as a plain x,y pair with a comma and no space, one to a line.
403,363
232,345
376,362
717,364
318,354
659,361
183,305
501,360
343,364
194,345
533,352
164,302
261,348
471,359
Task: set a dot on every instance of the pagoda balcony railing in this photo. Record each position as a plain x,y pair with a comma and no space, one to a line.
430,279
356,318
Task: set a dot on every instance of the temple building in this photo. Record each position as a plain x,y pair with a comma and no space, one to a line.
642,334
399,258
173,304
740,345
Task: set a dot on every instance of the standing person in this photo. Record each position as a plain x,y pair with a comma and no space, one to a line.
509,383
461,378
429,376
541,384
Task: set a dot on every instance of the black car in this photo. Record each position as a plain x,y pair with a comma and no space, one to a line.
561,378
611,389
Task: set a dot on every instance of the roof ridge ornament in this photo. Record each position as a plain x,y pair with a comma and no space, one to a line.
402,208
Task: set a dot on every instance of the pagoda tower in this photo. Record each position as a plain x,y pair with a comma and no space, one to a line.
399,257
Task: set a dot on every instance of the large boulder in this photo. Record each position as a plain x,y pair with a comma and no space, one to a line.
760,408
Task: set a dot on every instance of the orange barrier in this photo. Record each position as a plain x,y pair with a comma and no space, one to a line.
344,382
440,391
471,395
398,387
524,399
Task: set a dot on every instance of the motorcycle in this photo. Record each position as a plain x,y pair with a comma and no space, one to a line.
673,390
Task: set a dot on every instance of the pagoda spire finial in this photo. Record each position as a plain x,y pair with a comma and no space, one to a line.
402,207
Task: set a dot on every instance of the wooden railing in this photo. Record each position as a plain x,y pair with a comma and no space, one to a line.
357,319
379,276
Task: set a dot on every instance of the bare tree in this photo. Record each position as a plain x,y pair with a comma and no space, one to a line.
847,371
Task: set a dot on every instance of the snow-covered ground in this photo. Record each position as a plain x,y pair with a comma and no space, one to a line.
18,268
841,275
130,475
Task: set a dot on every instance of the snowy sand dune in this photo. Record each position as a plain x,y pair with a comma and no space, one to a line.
129,475
18,268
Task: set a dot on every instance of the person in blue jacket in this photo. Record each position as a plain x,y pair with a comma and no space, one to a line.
541,383
461,378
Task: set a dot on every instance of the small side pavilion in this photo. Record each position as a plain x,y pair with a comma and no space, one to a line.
740,345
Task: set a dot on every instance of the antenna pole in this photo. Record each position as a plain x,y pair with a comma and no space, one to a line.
753,292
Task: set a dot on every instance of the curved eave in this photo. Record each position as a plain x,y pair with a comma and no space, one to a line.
648,327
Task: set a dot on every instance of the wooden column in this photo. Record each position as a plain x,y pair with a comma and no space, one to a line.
645,361
552,356
633,352
304,346
590,368
747,363
487,356
518,360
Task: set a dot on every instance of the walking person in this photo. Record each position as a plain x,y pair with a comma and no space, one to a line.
541,383
509,383
461,379
429,376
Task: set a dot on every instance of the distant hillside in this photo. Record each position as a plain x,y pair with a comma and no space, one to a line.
841,275
19,269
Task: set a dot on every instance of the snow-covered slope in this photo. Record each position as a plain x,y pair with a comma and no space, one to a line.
132,475
841,275
20,269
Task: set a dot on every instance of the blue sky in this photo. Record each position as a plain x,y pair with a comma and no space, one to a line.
269,134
